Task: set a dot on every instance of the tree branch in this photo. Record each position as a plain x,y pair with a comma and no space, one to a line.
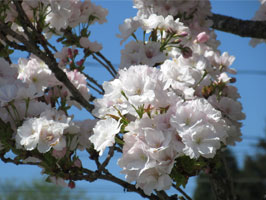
107,61
48,58
182,192
243,28
104,65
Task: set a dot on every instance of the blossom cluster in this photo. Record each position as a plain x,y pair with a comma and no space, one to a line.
173,97
28,94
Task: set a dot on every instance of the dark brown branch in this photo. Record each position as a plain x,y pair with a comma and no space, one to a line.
243,28
16,162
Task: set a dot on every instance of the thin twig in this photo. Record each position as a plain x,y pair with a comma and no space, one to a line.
94,88
107,61
182,192
12,44
92,80
107,160
104,65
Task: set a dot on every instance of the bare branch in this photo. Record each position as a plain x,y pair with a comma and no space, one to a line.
243,28
107,61
107,160
103,64
92,80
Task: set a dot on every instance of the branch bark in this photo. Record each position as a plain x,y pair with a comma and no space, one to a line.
243,28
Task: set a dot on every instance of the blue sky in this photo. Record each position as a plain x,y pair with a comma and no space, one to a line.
251,87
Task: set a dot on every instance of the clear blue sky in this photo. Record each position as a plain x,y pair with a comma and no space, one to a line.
251,87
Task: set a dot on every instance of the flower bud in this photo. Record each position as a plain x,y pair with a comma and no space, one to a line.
80,63
76,52
183,34
69,53
77,163
71,184
202,37
186,52
232,80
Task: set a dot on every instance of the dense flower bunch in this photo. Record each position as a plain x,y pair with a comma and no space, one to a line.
33,102
172,97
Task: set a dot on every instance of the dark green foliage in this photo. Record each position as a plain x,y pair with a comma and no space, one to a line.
249,183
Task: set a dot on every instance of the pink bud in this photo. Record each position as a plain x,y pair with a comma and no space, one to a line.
202,37
183,34
64,94
77,163
76,52
69,51
71,184
80,63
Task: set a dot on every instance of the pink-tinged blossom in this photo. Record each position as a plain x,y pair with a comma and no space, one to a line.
231,108
200,140
197,113
80,82
7,71
147,149
104,134
45,132
92,46
181,77
17,91
35,71
136,53
152,179
199,10
128,28
81,139
202,37
8,93
224,61
152,22
63,55
58,181
138,84
112,100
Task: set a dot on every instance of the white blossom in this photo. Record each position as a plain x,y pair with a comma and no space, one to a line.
104,134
